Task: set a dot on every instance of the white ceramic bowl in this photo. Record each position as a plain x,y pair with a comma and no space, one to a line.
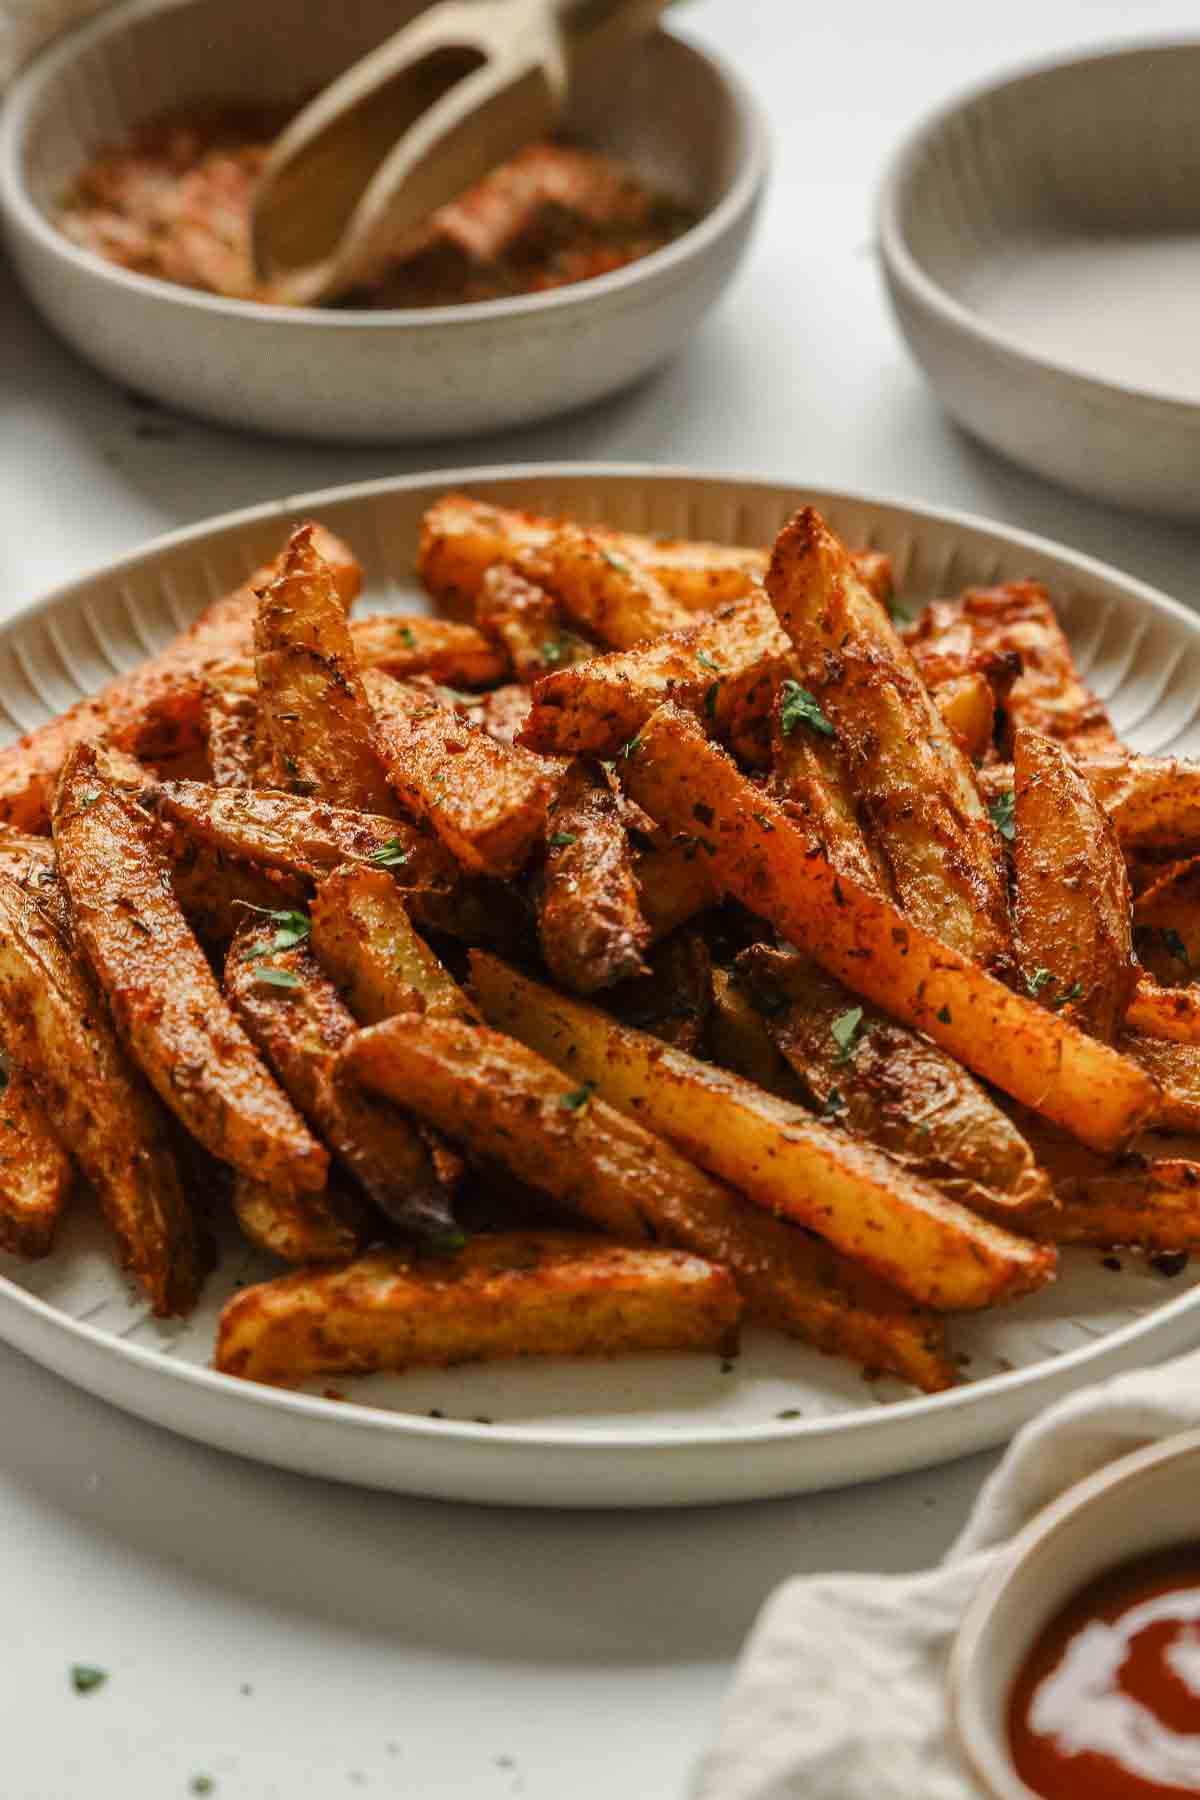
437,372
1137,1505
1041,244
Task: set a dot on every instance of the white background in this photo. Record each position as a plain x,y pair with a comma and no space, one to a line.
410,1648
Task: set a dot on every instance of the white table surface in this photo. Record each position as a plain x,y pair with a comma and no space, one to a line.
290,1637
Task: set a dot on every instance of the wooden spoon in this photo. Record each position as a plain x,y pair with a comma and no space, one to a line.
415,123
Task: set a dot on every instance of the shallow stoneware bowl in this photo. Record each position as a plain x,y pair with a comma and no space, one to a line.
1041,244
1137,1505
678,115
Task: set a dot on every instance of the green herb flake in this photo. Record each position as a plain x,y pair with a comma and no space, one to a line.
1038,980
578,1097
89,797
944,1015
710,702
834,1104
408,637
561,840
614,561
627,749
1074,992
554,651
898,614
790,1412
1002,812
706,662
280,978
291,929
391,855
798,707
86,1678
844,1031
202,1784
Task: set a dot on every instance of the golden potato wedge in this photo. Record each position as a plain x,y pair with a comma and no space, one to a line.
590,924
1161,1012
213,891
1176,1068
615,600
297,1228
36,1174
505,710
675,882
891,1086
55,1026
774,1152
1145,1200
709,668
984,626
529,624
292,1012
157,705
1166,925
165,1001
808,778
363,938
967,703
740,1039
777,870
407,644
487,802
517,1294
1072,904
915,789
233,753
515,1108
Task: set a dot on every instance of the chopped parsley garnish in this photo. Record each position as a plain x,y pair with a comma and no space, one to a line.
408,637
1038,980
898,614
559,840
944,1015
280,978
554,650
798,707
86,1678
844,1031
1074,992
292,929
89,796
1001,812
444,1243
710,702
578,1097
833,1105
390,855
202,1784
706,662
627,749
613,560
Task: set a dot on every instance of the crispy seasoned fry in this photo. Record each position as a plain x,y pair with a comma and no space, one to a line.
407,644
1166,924
1152,801
514,1107
165,1001
55,1026
35,1171
914,787
589,920
1074,928
297,1228
777,870
613,598
213,891
230,730
364,939
809,780
968,705
299,1028
983,627
888,1084
710,668
740,1039
517,1294
158,704
774,1152
675,882
1148,1200
505,710
487,802
528,622
673,999
1176,1068
312,707
1159,1012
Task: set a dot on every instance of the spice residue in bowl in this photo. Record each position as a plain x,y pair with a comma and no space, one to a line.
175,203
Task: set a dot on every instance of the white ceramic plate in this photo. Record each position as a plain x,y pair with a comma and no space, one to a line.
1041,242
648,1430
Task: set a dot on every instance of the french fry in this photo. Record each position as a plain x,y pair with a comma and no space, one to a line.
55,1026
514,1107
894,1088
913,785
158,704
1152,801
772,1151
528,622
517,1294
709,668
407,644
36,1175
299,1024
984,626
809,779
1176,1068
675,882
297,1228
1166,925
364,939
505,710
312,708
487,802
777,870
589,921
1074,929
967,703
613,598
1161,1012
234,754
1147,1201
741,1041
165,1002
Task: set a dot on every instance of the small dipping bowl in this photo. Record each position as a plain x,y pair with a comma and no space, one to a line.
1041,244
1140,1504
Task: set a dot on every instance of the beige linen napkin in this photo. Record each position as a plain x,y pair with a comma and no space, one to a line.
839,1694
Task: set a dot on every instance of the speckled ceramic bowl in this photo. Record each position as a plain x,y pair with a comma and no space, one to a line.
436,372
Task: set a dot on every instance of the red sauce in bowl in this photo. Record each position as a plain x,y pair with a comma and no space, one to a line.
1107,1705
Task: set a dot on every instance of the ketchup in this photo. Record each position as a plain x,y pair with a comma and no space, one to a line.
1107,1704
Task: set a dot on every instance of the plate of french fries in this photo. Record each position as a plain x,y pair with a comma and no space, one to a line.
599,986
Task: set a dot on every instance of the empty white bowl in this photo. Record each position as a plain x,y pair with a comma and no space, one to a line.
1139,1504
679,116
1041,244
